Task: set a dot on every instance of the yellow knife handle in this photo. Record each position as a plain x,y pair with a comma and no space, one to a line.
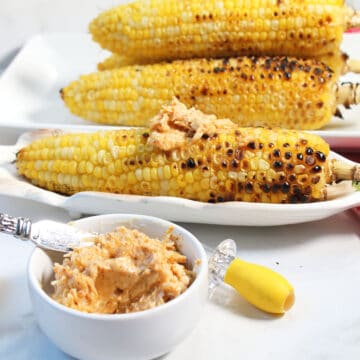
260,286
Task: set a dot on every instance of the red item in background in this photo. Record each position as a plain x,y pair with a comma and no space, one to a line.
357,211
354,30
354,156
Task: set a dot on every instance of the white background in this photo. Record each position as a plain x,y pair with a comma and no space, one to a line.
22,19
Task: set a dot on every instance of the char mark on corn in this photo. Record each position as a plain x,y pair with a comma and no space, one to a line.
171,29
245,164
338,62
252,91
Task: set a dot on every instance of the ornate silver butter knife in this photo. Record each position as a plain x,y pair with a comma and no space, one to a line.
47,234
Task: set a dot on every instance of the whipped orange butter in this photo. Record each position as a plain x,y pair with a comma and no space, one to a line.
176,126
125,271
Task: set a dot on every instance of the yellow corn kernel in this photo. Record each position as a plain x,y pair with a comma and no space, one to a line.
220,28
277,177
252,91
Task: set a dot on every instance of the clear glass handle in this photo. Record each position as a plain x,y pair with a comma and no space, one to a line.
260,286
224,254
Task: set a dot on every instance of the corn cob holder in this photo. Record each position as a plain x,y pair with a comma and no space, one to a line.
171,29
252,91
191,155
260,286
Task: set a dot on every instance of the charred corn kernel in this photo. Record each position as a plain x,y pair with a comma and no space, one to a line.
171,29
252,91
254,164
337,61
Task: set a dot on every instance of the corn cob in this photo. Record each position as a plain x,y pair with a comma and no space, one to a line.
171,29
115,61
339,62
252,91
225,164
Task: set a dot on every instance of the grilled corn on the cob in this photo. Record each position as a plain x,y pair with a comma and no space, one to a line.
172,29
338,62
252,91
213,162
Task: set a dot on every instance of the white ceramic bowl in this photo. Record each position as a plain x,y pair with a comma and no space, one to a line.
141,335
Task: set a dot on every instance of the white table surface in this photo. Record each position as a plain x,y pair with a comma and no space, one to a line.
321,259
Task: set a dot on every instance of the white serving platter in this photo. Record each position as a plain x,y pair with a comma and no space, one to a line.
170,208
29,88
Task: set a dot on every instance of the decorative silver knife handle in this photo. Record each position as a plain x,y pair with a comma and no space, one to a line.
17,226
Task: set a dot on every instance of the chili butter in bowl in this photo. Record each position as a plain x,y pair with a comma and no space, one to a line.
129,296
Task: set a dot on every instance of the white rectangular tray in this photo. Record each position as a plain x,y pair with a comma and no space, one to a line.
29,88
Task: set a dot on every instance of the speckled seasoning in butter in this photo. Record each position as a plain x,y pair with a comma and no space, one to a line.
125,271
